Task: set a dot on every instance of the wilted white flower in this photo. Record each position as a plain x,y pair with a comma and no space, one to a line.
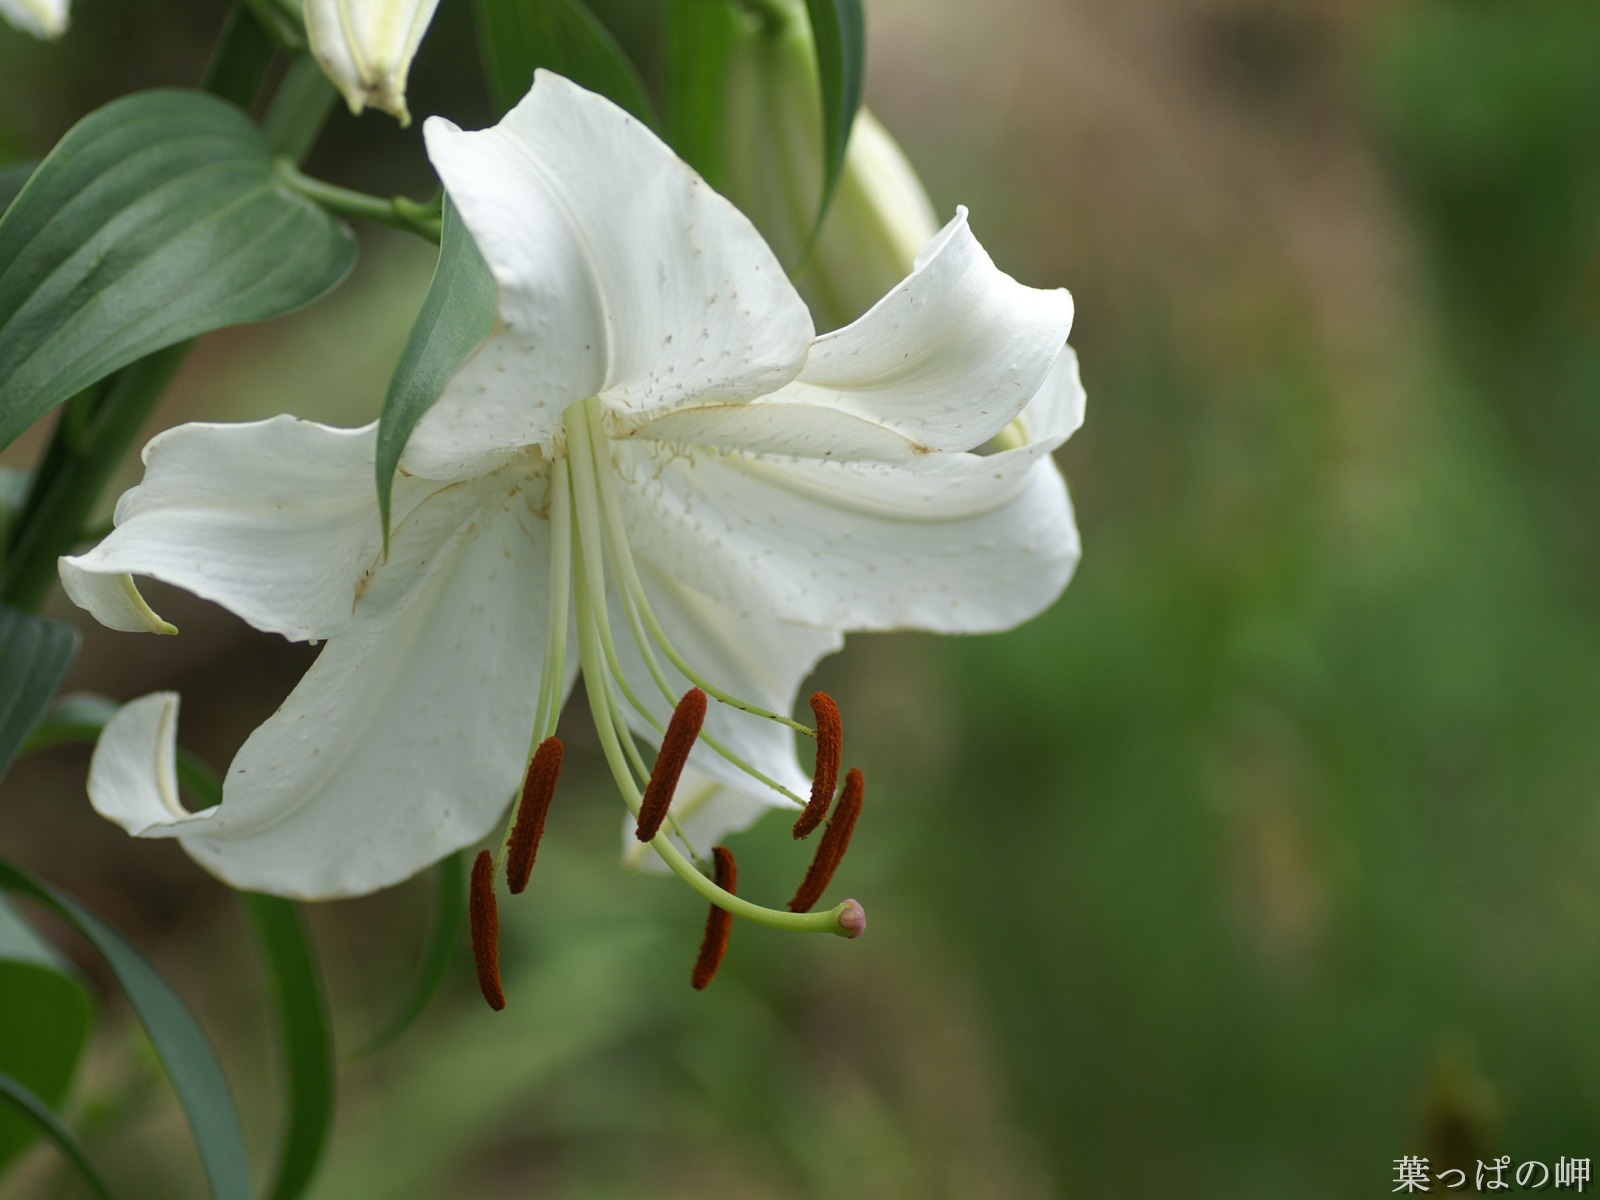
366,47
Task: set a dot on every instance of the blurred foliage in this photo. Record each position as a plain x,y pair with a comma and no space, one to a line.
1270,854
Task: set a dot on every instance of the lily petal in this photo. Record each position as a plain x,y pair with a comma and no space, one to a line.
133,778
949,357
748,655
620,272
42,18
405,740
953,543
366,46
1056,411
274,520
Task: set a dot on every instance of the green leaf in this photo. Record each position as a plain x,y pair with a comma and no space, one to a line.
457,313
839,31
36,1112
12,177
34,654
446,933
699,36
47,1016
76,718
302,1012
518,36
178,1040
156,218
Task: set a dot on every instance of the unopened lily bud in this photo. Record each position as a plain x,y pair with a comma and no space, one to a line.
42,18
880,216
366,47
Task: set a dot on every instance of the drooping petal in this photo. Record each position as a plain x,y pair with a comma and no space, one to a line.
366,46
406,738
42,18
1056,411
275,520
705,811
133,778
949,357
745,654
620,273
952,543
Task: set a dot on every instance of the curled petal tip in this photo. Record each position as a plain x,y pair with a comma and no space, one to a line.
852,919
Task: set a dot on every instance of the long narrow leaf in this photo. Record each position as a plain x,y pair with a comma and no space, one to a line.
178,1040
446,933
563,36
37,1111
34,655
699,36
307,1038
839,31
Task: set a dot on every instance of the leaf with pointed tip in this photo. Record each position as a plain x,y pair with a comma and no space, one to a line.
35,653
839,32
156,218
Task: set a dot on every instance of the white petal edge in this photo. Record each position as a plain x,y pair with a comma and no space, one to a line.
366,46
621,274
43,18
949,357
133,777
950,543
275,520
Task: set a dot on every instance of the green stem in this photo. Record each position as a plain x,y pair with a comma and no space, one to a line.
239,63
397,212
299,110
58,508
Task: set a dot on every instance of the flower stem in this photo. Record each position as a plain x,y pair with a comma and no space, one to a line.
240,61
397,212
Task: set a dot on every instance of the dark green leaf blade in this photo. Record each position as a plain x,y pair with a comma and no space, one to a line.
178,1040
699,36
839,32
12,177
307,1039
35,653
39,1113
519,36
47,1018
457,313
446,934
156,218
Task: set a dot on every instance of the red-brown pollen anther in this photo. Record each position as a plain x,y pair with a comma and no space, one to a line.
835,841
830,745
675,746
719,921
537,790
484,917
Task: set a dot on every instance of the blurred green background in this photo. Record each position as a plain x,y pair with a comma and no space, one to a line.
1270,854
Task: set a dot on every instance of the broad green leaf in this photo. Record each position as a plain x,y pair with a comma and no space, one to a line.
839,31
12,177
307,1039
446,933
178,1040
27,1105
34,654
518,36
457,313
156,218
47,1013
699,35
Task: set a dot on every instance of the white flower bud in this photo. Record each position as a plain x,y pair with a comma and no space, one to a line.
366,47
42,18
880,216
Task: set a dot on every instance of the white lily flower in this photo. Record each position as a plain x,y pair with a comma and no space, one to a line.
366,47
652,470
42,18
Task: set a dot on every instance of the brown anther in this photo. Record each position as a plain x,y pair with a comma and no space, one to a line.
537,790
719,921
835,841
830,745
675,746
484,916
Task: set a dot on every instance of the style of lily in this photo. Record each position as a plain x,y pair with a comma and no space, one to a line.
652,471
42,18
366,46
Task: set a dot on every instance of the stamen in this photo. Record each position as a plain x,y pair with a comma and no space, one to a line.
830,745
675,746
484,916
719,922
537,791
835,841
